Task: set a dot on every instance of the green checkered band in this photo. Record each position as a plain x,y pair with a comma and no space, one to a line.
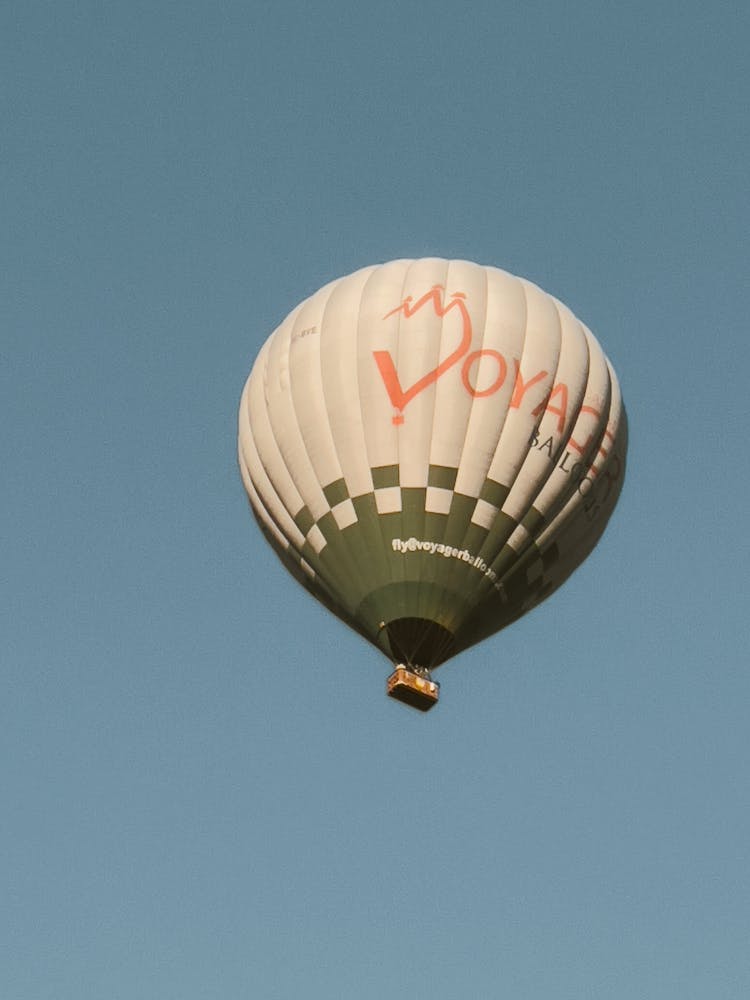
400,552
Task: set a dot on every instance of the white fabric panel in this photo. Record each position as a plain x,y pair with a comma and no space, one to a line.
452,407
417,354
603,397
316,539
270,459
344,514
279,403
535,374
568,386
438,500
594,413
572,463
613,424
384,291
264,498
306,382
339,365
503,332
259,507
579,527
484,514
388,499
520,539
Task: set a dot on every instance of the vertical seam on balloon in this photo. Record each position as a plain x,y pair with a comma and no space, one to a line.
345,568
317,583
448,523
401,562
248,440
359,570
526,549
529,548
358,368
572,557
246,461
349,563
271,434
598,437
433,564
567,493
261,476
430,577
256,445
314,559
570,507
474,398
484,585
553,464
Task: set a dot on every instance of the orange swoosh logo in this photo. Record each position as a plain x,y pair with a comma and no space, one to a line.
399,396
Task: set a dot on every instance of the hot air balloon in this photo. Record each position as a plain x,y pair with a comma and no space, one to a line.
431,447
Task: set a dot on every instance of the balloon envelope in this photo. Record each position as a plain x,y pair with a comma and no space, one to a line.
431,447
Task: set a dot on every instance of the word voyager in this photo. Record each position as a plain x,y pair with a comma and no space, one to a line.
555,401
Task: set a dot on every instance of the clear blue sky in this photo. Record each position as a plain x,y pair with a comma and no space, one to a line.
192,806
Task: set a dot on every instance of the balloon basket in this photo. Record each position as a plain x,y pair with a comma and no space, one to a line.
417,690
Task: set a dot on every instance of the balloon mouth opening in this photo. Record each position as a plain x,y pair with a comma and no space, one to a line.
420,642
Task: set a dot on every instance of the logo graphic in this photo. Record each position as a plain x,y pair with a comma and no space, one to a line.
547,398
553,400
398,395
